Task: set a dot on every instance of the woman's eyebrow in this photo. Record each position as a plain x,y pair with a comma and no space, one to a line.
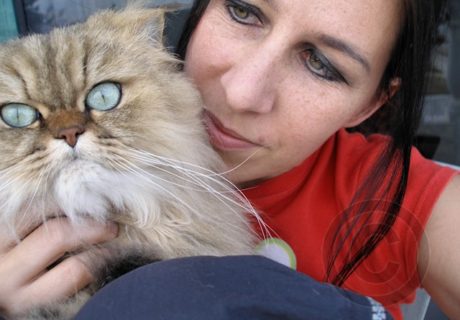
342,46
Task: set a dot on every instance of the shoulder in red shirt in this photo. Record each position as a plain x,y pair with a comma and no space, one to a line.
304,205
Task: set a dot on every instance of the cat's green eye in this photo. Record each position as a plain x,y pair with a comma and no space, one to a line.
19,115
104,96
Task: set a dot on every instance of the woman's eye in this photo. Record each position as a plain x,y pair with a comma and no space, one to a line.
104,96
320,66
18,115
242,13
316,63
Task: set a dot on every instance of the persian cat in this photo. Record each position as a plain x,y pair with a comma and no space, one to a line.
98,122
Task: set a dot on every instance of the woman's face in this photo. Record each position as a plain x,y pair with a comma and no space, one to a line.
279,77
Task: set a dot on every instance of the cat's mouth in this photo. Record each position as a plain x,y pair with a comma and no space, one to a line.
74,155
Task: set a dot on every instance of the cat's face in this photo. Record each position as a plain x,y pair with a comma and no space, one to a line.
78,105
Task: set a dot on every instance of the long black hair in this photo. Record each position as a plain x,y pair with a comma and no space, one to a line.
382,193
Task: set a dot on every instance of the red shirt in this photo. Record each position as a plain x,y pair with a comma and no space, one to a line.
303,205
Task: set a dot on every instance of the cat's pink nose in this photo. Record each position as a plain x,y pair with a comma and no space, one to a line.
71,134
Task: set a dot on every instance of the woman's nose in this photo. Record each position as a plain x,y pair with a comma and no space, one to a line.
249,84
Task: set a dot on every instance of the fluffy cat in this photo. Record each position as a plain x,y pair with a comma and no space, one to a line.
97,121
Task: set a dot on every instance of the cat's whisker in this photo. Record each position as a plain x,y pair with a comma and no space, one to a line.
11,170
16,162
197,166
142,174
200,184
135,167
226,183
179,165
47,172
195,176
242,162
23,162
193,165
5,184
11,180
194,180
25,213
18,171
243,203
204,187
220,178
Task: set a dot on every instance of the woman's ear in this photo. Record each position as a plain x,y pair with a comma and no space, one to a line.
377,103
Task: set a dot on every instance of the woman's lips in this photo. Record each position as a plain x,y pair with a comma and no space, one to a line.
223,138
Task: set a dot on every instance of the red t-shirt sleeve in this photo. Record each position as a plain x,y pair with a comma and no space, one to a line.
390,273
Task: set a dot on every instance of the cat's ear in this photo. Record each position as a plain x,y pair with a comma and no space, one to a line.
131,23
153,24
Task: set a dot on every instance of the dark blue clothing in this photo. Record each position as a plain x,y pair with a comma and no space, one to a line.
234,287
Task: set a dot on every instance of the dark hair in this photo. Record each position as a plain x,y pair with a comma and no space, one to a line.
409,61
197,10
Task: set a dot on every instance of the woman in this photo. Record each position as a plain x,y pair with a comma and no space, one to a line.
284,78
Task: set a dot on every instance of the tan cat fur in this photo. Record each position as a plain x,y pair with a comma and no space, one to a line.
146,164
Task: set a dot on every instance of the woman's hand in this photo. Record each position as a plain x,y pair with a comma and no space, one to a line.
25,278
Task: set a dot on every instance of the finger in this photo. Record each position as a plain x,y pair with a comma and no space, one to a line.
63,281
9,238
48,243
7,241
